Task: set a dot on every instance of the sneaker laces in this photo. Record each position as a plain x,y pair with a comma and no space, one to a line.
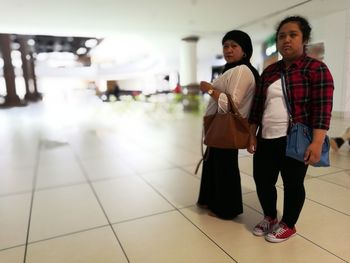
280,231
265,224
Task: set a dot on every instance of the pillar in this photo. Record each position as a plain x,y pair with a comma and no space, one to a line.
11,98
188,73
37,95
25,67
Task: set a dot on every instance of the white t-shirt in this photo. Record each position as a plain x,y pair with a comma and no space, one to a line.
275,118
239,82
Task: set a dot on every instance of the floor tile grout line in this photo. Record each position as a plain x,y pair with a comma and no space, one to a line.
245,204
93,181
12,247
68,234
92,228
100,203
324,180
331,208
309,240
157,191
328,181
54,187
188,172
311,200
143,217
73,184
34,182
179,211
179,167
135,174
212,240
15,193
37,192
330,252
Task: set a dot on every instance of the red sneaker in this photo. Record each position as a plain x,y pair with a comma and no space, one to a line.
265,226
282,233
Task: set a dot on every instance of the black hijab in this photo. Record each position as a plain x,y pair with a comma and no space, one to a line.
242,39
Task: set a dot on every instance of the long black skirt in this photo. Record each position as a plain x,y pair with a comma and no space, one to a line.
220,189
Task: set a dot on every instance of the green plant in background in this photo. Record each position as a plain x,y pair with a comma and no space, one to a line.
191,102
178,97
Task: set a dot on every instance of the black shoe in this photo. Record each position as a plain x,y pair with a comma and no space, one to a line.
202,206
336,143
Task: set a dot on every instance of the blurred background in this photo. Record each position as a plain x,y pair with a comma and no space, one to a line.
101,131
133,49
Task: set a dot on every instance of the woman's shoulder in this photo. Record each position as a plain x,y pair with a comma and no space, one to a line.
274,66
240,69
315,63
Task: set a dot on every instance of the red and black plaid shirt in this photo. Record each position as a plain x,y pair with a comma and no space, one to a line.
309,89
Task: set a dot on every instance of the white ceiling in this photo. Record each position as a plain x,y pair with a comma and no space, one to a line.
162,23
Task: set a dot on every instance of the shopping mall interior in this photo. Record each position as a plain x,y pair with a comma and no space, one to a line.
95,173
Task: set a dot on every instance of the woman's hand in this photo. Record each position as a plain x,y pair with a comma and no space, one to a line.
252,144
313,152
205,86
252,138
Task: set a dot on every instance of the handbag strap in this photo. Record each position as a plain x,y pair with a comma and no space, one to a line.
284,90
233,107
202,152
205,155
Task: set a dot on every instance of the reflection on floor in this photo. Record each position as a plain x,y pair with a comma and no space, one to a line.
87,181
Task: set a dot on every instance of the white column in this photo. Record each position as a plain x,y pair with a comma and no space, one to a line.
188,61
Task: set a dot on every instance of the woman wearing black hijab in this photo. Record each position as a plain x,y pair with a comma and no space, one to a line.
220,189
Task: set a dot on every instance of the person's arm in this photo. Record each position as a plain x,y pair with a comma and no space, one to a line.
209,88
321,108
217,95
239,84
322,87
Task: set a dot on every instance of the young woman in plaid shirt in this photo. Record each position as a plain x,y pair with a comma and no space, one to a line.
310,92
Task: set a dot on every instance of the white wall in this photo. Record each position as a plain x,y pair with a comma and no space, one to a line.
333,30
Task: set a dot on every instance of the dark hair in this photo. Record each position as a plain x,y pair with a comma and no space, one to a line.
303,25
242,39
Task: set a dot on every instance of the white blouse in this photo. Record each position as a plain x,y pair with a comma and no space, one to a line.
275,117
239,83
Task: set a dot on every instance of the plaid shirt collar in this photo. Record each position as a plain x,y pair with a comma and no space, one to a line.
296,63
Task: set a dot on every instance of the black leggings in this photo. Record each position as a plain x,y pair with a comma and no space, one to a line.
270,160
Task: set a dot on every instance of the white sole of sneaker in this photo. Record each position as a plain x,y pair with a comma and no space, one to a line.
275,240
259,234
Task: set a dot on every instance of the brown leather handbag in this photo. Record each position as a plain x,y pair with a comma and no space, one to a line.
226,130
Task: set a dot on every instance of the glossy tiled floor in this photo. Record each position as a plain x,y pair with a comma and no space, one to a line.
86,181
